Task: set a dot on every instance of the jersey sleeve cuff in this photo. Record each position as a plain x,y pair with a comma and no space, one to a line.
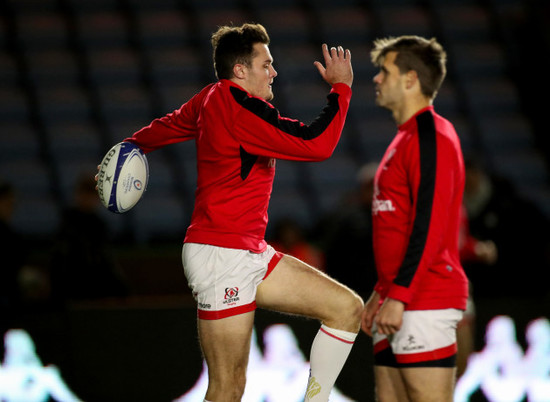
342,89
400,293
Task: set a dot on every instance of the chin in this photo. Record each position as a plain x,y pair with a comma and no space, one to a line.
379,102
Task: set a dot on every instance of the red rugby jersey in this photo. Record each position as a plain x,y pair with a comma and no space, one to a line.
238,138
416,216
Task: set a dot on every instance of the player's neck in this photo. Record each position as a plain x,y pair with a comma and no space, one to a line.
409,108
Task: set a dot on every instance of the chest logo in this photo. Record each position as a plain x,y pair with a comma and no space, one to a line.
382,206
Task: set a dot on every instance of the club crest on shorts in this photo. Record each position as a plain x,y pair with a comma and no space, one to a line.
412,345
231,296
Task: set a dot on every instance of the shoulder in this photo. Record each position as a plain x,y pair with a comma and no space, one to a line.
198,100
435,128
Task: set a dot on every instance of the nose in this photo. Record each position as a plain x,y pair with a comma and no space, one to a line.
273,72
376,78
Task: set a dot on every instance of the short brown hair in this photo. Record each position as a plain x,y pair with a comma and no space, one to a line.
235,45
424,56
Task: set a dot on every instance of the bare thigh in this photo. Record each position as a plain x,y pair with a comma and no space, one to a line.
225,344
422,384
389,385
429,384
297,288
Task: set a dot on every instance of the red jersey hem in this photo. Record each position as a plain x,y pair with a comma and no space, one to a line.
227,240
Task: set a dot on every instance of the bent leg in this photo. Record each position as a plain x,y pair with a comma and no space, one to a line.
295,287
225,345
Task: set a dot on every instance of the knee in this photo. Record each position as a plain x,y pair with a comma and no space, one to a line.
355,309
347,315
240,384
237,385
229,387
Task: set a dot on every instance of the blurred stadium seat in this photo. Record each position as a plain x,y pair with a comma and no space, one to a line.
409,19
79,75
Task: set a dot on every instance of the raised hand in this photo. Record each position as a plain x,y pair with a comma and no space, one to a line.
337,67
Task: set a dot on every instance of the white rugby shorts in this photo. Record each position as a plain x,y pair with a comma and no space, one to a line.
224,280
427,338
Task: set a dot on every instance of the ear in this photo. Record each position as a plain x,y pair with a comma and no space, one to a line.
239,71
411,79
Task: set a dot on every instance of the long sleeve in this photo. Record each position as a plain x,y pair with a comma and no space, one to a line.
178,126
433,191
262,131
416,216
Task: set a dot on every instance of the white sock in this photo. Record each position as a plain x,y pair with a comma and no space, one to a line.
329,352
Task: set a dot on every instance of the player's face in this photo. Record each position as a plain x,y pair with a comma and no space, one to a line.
389,83
259,76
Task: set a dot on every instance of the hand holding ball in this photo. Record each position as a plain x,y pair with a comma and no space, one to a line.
122,178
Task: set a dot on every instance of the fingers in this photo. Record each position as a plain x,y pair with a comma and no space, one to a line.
321,68
325,51
386,330
337,66
390,317
387,325
336,52
96,177
366,326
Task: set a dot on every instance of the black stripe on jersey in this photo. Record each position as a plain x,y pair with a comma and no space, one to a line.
293,127
247,162
425,196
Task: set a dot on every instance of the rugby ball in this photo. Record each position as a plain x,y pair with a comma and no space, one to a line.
122,178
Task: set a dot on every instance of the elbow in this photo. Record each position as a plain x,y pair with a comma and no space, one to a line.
326,155
322,154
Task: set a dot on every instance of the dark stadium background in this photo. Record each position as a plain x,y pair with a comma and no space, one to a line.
80,75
